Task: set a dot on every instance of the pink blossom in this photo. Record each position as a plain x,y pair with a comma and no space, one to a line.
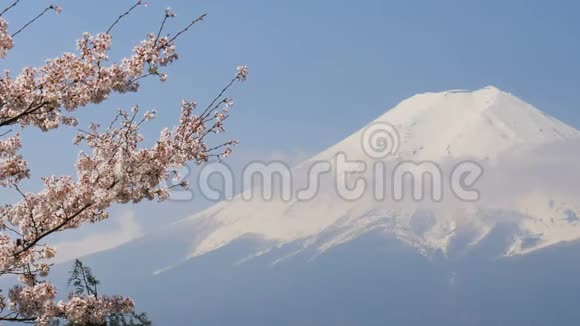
114,166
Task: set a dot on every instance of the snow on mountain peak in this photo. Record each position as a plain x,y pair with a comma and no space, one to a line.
458,123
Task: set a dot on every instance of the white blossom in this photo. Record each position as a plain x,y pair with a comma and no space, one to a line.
242,73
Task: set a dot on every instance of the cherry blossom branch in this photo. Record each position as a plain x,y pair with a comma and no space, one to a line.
117,169
26,246
30,110
18,319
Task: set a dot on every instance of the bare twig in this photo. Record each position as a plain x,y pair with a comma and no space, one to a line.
33,20
9,7
161,28
198,19
219,96
142,76
126,13
5,133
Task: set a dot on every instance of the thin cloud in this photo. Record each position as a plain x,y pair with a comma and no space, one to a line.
128,229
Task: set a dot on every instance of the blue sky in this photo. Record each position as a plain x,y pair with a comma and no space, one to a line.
319,70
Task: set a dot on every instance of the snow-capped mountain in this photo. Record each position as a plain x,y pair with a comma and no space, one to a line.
332,261
487,126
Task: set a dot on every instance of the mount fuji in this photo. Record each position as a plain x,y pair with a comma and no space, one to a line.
509,257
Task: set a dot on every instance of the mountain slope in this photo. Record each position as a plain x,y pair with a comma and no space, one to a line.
372,280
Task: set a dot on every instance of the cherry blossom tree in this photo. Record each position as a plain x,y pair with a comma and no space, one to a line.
114,166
